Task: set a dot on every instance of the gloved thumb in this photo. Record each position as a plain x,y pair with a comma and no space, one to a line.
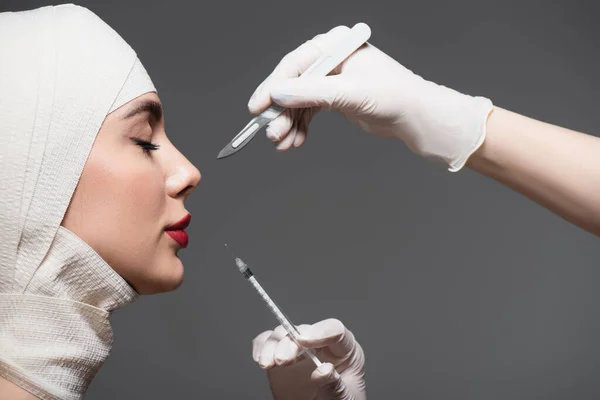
327,92
329,384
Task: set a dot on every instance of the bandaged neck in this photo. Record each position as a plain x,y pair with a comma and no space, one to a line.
56,334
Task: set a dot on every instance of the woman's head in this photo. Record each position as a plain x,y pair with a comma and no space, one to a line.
84,146
132,189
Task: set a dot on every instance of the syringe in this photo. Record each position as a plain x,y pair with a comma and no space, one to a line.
283,320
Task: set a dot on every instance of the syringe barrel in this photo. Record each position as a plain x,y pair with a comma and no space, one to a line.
283,320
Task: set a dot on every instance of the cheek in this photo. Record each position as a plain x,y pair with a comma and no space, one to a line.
118,208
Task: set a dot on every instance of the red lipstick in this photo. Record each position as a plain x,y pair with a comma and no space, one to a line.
177,231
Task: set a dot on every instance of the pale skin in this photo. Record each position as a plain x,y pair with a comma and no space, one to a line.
133,186
10,391
556,167
129,192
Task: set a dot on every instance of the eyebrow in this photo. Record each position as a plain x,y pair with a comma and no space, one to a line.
150,106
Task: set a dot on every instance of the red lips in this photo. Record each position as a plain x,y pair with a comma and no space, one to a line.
177,232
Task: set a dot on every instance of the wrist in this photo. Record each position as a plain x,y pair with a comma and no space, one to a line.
472,119
486,155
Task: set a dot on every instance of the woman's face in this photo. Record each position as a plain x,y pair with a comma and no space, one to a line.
131,191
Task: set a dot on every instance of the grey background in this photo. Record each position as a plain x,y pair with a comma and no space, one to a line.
457,287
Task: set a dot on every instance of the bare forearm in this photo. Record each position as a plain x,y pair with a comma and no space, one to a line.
555,167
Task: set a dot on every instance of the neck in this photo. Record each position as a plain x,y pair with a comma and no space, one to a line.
56,334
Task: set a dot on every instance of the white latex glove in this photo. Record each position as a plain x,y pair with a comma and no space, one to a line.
377,93
340,377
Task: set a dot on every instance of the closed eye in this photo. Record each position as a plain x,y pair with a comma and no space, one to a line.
145,145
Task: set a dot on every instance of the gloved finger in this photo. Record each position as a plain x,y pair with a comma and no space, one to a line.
266,357
291,65
330,92
287,350
330,333
294,64
328,383
280,127
303,126
288,141
297,61
258,343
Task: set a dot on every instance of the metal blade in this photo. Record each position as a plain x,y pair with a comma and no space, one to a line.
227,151
256,124
245,136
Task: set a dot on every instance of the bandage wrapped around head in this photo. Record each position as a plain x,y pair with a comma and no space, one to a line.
62,70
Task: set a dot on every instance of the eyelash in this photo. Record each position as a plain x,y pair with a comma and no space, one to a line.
145,145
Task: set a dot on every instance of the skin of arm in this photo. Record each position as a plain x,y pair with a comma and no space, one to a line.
556,167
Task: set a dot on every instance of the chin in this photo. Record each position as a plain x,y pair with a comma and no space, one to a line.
170,286
168,279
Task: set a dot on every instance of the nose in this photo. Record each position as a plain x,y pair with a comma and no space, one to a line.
183,177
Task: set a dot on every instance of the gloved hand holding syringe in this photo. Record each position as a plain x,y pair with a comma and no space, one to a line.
281,318
294,378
